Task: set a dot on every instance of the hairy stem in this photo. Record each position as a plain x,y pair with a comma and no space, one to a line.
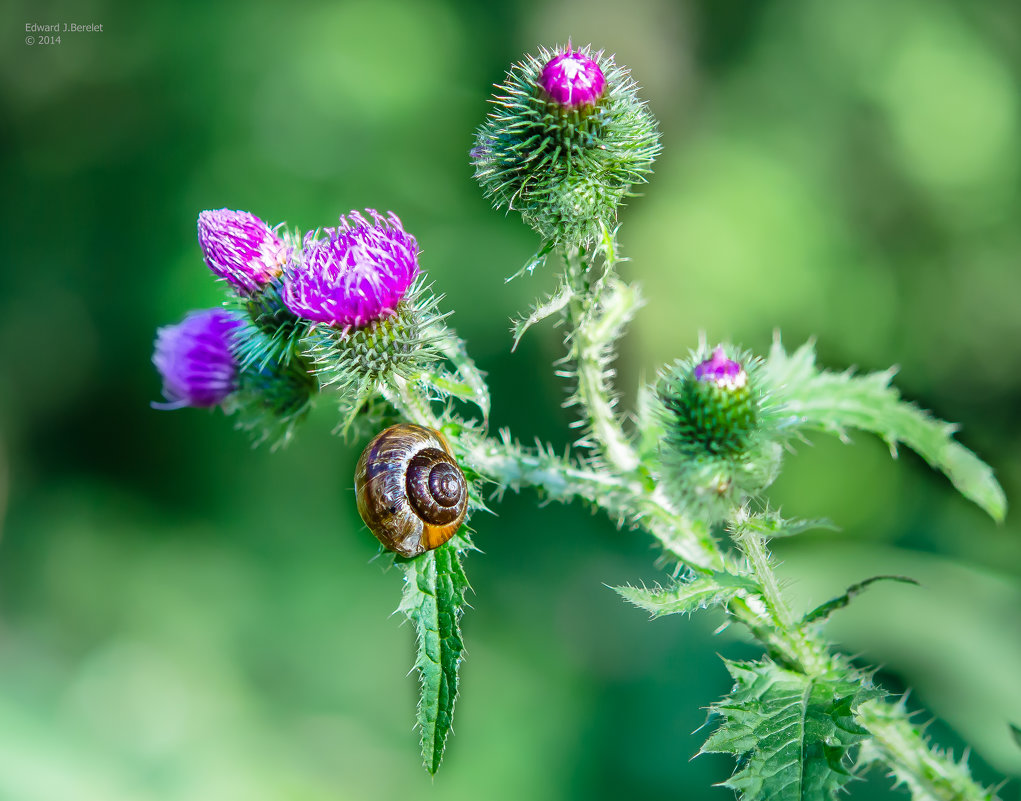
597,312
799,648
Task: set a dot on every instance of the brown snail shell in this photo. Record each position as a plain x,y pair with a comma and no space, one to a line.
410,491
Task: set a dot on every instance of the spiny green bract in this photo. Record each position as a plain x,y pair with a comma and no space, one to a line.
792,734
565,169
357,361
720,444
272,398
281,330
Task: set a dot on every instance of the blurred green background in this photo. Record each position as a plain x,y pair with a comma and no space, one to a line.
183,617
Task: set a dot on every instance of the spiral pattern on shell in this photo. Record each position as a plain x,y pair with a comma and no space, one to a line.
410,491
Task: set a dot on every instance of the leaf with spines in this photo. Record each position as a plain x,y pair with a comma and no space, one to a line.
685,597
823,611
434,588
834,402
792,734
466,382
551,305
929,774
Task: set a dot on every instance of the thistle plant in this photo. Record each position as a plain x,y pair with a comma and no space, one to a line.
346,316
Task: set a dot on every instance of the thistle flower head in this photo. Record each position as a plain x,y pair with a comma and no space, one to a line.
241,248
358,273
572,79
195,359
566,140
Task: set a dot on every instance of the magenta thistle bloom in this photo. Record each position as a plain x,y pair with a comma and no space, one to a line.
572,80
195,359
357,274
719,370
241,248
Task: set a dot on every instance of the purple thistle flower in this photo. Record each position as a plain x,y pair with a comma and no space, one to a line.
357,274
241,248
194,357
719,370
572,80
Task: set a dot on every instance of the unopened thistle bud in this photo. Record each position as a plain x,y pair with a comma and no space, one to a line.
195,359
241,248
714,410
566,141
720,444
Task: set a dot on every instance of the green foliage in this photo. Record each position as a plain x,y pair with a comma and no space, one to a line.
823,611
793,735
699,592
434,588
929,774
565,171
272,333
272,398
816,399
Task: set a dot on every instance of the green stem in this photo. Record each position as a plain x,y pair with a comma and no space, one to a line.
409,398
627,499
597,312
799,648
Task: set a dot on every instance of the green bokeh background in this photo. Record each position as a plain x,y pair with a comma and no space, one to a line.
183,617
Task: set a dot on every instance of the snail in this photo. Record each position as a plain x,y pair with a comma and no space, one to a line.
410,491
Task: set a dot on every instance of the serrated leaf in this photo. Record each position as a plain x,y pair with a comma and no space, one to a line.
551,305
823,611
835,402
929,773
466,383
792,734
686,597
772,526
433,601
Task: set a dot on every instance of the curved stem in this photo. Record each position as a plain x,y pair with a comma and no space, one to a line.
597,312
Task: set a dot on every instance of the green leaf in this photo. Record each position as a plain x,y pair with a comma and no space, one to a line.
433,601
540,311
686,597
835,402
929,774
823,611
466,383
792,734
771,525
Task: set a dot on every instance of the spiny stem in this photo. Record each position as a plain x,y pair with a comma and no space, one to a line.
801,649
596,317
623,498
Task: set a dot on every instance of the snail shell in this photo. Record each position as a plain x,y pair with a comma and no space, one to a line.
410,491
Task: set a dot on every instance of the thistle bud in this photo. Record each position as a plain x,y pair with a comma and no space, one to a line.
195,359
241,248
720,444
567,139
713,408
